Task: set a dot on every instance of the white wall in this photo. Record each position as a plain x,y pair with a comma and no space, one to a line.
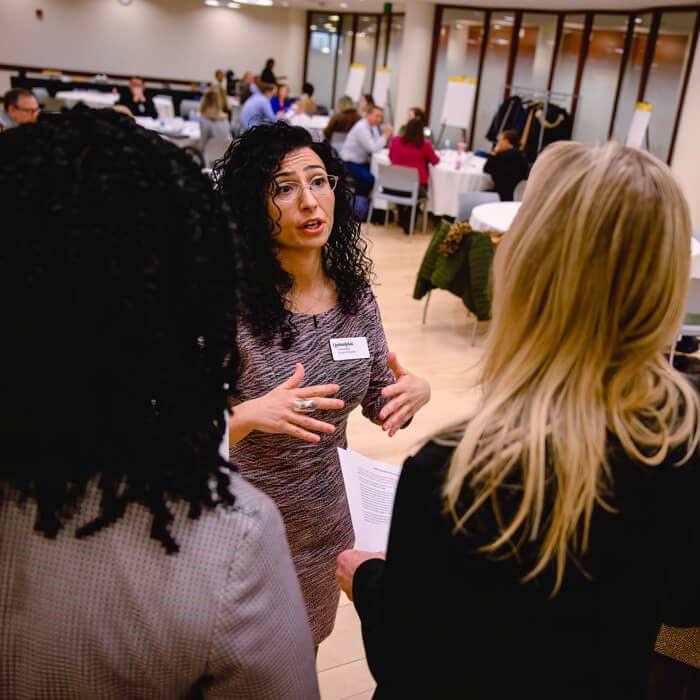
164,38
686,154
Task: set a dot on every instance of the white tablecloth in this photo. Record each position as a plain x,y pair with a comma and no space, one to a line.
495,217
446,180
180,131
314,125
92,98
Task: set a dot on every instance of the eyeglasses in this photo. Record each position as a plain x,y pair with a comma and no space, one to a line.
31,110
320,185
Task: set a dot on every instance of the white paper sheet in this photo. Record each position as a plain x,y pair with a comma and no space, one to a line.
370,487
639,125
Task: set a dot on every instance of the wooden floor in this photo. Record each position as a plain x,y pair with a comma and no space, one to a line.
441,351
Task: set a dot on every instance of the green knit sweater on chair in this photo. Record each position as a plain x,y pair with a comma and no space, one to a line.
466,272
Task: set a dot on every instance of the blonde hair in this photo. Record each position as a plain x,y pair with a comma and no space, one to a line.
211,107
590,285
344,104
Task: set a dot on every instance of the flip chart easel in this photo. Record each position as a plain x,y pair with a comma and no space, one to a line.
356,77
382,78
458,105
639,125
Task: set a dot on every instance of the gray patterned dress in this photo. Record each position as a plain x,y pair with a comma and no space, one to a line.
303,478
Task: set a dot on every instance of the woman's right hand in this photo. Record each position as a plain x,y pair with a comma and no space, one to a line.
272,413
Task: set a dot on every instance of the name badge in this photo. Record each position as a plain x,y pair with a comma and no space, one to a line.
349,348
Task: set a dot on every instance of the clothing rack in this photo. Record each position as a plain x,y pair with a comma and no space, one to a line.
539,94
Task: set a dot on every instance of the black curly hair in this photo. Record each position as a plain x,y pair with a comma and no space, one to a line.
117,277
244,176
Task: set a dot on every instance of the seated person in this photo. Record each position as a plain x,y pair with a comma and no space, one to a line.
539,557
413,113
213,121
366,103
257,109
20,107
280,102
507,164
345,117
412,150
306,104
248,87
136,100
134,562
363,140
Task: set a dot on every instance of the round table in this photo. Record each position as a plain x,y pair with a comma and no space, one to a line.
446,180
494,217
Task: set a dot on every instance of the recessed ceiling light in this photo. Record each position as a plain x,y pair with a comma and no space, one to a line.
233,5
325,49
313,27
334,18
261,3
638,20
212,3
343,5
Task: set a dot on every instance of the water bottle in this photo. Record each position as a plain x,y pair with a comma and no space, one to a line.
446,148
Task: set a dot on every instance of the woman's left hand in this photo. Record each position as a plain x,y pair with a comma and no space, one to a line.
348,561
410,393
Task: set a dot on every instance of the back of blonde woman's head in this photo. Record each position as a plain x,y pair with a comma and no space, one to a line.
211,106
345,103
589,288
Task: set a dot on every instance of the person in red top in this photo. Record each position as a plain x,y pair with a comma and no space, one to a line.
413,151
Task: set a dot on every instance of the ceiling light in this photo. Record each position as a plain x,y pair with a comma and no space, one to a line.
638,20
508,18
334,18
325,49
233,5
261,3
343,5
313,27
496,26
212,3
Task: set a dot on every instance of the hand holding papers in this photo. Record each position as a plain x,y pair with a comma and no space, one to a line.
370,487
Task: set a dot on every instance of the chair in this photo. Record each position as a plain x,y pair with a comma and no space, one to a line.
398,177
188,106
41,93
215,149
466,273
519,190
469,200
691,322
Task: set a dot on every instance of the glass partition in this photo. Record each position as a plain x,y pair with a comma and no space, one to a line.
365,42
323,43
633,73
461,36
344,50
493,76
669,64
536,40
600,76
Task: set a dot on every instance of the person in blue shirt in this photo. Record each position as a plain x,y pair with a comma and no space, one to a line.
257,109
280,102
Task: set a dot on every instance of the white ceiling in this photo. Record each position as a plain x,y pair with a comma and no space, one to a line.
376,5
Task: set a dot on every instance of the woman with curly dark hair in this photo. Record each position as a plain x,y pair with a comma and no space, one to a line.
133,561
309,317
